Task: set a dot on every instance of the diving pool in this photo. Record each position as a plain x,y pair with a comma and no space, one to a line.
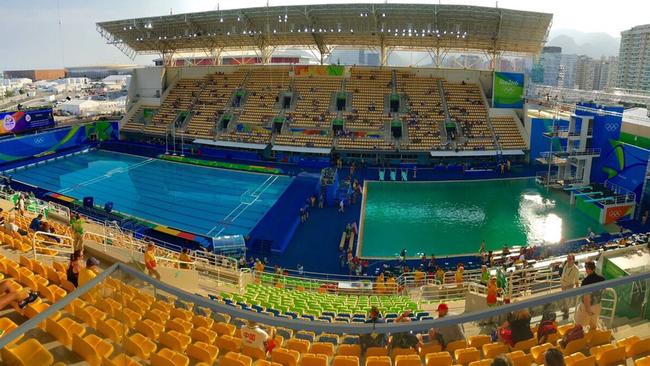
191,198
452,218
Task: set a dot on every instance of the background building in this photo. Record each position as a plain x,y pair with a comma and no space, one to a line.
585,70
634,58
35,75
605,73
556,69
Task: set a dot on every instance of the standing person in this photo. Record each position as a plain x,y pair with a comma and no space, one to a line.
481,250
150,261
341,206
588,310
74,267
485,275
78,229
492,292
568,280
21,204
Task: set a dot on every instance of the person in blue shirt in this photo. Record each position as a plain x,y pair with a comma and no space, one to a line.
35,225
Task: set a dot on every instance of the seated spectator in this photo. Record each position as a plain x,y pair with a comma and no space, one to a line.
8,294
11,226
373,339
547,326
516,328
553,357
502,360
90,272
35,225
447,334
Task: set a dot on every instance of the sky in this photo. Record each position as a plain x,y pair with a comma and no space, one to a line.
31,35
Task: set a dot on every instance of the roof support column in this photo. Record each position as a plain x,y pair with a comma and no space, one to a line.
266,52
167,58
495,60
215,55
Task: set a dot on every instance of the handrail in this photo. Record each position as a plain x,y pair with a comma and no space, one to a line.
419,326
65,244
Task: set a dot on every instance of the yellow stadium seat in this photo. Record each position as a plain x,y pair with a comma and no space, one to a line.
538,352
322,348
587,361
636,349
179,325
25,262
91,348
438,359
285,357
228,343
608,354
7,325
202,321
345,361
111,329
519,358
223,328
378,361
571,359
149,328
492,350
261,363
163,306
627,343
562,329
466,355
478,341
90,315
120,360
408,360
401,351
453,346
176,341
52,293
376,351
157,315
310,359
300,345
427,348
181,313
203,334
235,359
167,357
574,346
645,361
108,305
139,345
127,316
349,350
63,330
137,306
147,299
483,362
29,353
203,352
598,337
524,345
254,353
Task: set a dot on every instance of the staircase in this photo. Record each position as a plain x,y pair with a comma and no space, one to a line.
441,90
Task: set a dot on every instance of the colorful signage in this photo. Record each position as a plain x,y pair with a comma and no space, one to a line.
508,90
21,121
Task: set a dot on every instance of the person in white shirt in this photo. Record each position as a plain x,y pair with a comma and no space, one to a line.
569,280
254,336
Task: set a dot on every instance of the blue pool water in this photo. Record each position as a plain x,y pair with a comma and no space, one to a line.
200,200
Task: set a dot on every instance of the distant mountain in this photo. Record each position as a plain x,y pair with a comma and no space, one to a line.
595,44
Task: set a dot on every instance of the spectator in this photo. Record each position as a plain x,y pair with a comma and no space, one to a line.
449,333
254,336
588,311
404,339
547,326
373,339
77,224
459,274
35,225
568,280
11,226
485,275
516,328
501,360
492,291
8,294
553,357
150,261
88,273
74,267
2,218
185,258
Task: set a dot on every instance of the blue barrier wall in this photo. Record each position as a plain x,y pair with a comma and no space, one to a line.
275,229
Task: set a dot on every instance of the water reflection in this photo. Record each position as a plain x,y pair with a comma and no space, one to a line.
540,223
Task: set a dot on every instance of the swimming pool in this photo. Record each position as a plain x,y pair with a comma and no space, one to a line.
200,200
452,218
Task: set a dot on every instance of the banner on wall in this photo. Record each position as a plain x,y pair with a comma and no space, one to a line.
508,91
318,70
22,121
42,144
622,164
613,214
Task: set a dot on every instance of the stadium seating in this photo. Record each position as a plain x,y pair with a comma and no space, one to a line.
263,88
465,105
315,94
306,140
369,88
507,132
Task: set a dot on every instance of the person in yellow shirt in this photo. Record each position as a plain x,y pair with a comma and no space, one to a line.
89,272
185,259
459,274
150,261
259,269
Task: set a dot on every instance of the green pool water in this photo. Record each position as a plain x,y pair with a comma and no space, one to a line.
452,218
